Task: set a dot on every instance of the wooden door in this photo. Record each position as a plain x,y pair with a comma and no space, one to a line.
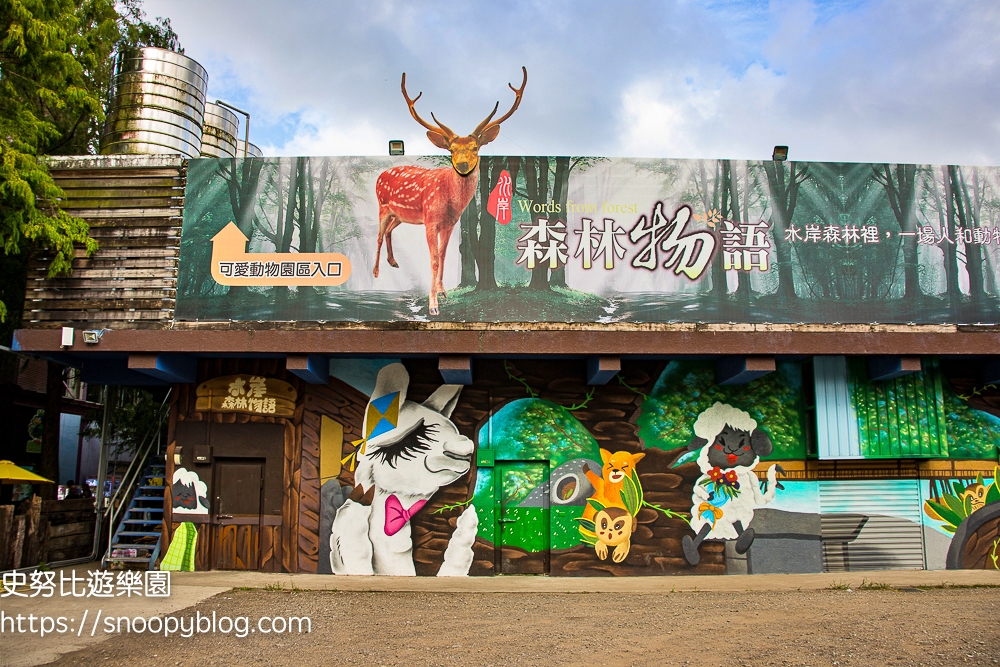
236,516
523,517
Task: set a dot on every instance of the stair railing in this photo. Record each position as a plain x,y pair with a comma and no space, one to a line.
117,506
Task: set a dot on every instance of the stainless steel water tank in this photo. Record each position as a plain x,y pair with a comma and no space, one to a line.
253,152
219,132
158,104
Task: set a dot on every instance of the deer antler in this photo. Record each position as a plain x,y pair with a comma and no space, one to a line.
487,124
440,128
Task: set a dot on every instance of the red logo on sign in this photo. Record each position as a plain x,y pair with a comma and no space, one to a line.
500,199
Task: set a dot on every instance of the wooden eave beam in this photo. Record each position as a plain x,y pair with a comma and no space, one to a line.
455,368
742,370
890,367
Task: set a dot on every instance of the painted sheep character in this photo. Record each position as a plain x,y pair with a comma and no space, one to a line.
410,451
189,494
728,490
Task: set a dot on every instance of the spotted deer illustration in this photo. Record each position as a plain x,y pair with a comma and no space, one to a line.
435,198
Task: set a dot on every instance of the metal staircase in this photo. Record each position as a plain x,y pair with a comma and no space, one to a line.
134,511
136,541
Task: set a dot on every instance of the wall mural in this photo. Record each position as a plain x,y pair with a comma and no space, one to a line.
565,483
587,239
189,495
529,470
967,511
410,450
729,446
609,517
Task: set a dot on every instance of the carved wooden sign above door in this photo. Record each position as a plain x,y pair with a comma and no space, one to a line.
252,394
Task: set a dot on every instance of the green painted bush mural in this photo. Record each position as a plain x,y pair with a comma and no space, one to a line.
530,429
903,417
972,434
919,416
686,388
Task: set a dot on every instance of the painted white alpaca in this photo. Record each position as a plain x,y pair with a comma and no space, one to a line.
727,492
410,451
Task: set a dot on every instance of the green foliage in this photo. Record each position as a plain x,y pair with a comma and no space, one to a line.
55,65
687,388
919,415
133,414
945,513
846,272
632,494
517,484
993,494
208,207
29,216
953,508
667,512
596,504
972,434
453,507
134,30
532,429
903,417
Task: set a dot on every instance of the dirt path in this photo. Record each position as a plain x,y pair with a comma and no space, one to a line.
833,627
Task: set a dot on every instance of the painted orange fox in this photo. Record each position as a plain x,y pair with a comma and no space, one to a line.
608,487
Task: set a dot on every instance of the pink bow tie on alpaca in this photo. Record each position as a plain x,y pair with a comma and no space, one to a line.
396,517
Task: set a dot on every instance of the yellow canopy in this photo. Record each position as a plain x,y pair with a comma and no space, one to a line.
12,473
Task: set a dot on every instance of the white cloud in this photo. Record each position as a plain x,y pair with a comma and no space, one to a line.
888,81
869,80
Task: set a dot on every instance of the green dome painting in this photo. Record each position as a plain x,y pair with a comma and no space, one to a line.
533,429
530,429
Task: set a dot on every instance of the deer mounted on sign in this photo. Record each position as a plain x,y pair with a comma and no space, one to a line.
435,198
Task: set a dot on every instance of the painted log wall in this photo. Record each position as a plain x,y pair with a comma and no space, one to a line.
278,545
346,405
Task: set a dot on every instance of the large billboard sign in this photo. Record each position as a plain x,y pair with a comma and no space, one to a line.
582,239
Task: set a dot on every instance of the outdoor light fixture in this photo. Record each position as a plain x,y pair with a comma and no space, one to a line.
67,337
780,153
396,147
93,336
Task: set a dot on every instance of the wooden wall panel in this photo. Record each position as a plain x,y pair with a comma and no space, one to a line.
247,547
270,548
344,404
134,207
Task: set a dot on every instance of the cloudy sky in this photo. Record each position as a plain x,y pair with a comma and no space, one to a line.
839,80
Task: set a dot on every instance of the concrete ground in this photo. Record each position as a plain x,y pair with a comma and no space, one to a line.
803,596
630,585
28,648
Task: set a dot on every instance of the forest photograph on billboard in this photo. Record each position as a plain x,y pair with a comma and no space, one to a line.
588,239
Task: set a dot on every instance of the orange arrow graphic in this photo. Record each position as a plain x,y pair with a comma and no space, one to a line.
233,265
